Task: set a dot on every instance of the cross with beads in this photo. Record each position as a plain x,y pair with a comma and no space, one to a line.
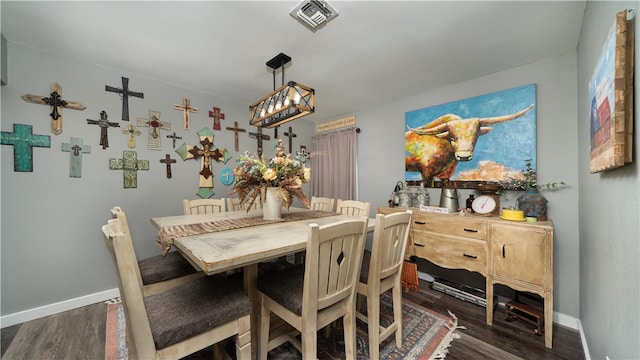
217,116
186,109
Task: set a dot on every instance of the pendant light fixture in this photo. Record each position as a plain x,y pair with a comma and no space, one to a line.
286,103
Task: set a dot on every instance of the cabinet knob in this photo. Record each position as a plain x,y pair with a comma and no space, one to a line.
503,246
470,256
471,230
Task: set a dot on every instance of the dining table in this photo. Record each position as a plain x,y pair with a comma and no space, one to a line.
220,242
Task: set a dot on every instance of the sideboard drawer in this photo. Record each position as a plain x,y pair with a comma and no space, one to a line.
459,226
453,253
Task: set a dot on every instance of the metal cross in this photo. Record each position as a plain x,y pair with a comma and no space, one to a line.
104,125
186,109
290,135
55,103
216,115
236,130
124,94
76,148
155,125
259,136
23,141
168,161
174,137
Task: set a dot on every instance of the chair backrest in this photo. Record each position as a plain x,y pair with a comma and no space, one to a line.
120,245
332,265
233,204
204,206
353,207
390,236
322,203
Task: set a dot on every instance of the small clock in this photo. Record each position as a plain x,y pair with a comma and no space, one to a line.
486,204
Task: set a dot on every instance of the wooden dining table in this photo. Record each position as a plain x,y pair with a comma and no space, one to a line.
245,247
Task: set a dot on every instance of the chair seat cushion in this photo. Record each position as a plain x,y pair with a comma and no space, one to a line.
284,286
364,271
211,302
161,268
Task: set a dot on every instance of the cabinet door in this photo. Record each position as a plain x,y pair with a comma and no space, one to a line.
519,253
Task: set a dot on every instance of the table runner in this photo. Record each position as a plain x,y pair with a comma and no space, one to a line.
168,234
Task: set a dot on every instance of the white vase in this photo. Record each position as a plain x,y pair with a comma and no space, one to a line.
272,206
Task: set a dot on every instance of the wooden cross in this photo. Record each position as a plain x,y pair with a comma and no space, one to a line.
129,164
132,131
206,153
236,130
216,115
155,125
186,109
104,125
124,94
168,161
290,135
55,103
174,137
23,141
259,136
76,148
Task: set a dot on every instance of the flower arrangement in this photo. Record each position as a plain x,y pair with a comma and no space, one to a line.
255,175
527,179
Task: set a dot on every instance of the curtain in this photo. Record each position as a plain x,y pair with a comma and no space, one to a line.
334,164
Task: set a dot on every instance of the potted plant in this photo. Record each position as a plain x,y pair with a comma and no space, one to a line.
532,203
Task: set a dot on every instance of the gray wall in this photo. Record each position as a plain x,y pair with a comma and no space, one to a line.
52,247
609,207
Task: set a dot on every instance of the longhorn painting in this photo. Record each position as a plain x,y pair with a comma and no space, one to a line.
471,141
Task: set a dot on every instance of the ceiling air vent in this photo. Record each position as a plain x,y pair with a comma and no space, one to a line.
314,13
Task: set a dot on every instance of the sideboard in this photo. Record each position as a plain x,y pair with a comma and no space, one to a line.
516,254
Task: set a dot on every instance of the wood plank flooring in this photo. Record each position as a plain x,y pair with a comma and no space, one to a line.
80,334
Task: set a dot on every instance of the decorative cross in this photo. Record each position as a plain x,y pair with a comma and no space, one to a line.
168,161
186,108
206,153
76,148
216,115
259,136
23,141
236,130
174,137
155,125
104,125
124,94
129,164
54,101
303,154
290,135
132,131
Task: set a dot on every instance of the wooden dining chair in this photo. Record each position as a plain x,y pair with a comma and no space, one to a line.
182,320
322,203
159,272
353,207
309,297
234,204
381,271
204,206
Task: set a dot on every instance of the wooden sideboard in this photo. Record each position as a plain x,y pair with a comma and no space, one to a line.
512,253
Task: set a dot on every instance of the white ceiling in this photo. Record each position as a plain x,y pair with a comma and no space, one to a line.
373,52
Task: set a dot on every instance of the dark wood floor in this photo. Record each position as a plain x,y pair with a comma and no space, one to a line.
80,334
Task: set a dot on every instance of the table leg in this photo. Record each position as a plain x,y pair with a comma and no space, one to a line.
250,275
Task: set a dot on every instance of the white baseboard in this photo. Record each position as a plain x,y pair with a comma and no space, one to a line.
51,309
585,348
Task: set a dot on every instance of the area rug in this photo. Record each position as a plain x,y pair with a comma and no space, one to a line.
426,335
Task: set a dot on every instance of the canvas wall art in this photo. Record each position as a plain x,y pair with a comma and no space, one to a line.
472,141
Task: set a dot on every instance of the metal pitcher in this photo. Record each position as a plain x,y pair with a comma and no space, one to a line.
449,199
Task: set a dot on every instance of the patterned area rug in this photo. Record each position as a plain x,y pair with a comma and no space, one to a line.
426,335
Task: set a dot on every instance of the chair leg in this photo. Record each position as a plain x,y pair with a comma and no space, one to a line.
373,316
243,339
397,313
265,323
350,333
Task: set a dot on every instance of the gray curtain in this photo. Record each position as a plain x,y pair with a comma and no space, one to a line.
334,167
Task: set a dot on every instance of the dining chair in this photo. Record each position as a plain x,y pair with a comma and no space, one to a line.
204,206
233,204
308,297
353,207
159,272
382,271
322,203
182,320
